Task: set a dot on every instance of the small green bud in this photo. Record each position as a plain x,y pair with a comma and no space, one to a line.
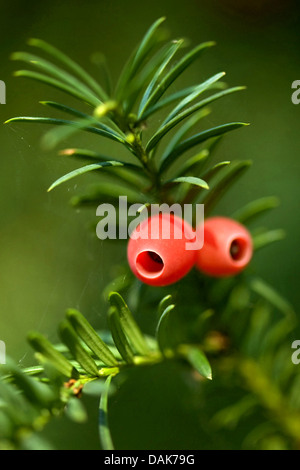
130,138
104,108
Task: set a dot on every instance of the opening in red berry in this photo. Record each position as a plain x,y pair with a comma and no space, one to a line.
238,249
149,263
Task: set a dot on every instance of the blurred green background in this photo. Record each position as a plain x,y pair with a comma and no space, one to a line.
50,260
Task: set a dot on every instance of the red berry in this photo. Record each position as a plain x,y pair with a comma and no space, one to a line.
227,247
156,251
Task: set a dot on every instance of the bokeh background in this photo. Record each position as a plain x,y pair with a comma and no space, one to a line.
50,259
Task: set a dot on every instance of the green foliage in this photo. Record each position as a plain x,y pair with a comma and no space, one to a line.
83,357
233,332
122,119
